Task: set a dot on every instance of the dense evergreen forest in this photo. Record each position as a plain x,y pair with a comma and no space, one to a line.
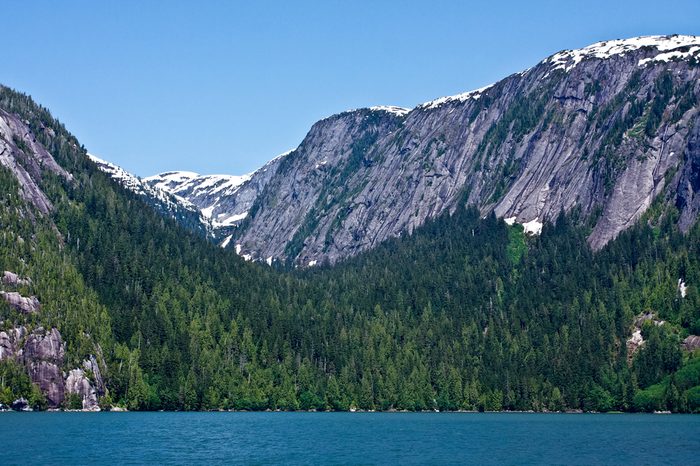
465,313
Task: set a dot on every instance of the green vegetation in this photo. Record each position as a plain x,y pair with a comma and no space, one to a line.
466,313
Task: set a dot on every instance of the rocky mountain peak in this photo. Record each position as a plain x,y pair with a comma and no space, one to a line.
604,130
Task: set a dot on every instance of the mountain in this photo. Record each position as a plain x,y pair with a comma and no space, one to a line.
107,302
224,200
161,200
601,131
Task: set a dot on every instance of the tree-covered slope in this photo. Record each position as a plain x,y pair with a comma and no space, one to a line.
465,313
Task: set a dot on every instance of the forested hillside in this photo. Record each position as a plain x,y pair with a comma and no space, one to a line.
465,313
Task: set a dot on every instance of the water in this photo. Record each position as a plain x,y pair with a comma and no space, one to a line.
348,438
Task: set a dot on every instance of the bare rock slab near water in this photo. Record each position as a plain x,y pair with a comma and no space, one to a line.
43,355
78,383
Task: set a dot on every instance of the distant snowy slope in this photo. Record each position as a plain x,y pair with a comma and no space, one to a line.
222,199
163,201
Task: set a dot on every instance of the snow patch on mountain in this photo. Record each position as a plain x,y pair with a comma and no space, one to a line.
223,200
670,56
568,59
138,186
471,95
533,227
400,111
180,182
225,242
224,220
169,180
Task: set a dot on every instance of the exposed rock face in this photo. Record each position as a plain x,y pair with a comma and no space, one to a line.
576,131
78,383
10,342
634,343
43,355
604,130
91,365
12,279
225,200
688,194
27,305
26,159
21,404
6,348
597,129
691,343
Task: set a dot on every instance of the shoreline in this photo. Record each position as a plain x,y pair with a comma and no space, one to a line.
356,411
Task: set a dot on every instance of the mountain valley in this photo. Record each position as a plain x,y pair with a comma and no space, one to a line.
532,245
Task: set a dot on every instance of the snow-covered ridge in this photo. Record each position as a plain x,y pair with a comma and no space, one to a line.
138,186
471,95
400,111
169,180
674,47
179,181
211,194
690,45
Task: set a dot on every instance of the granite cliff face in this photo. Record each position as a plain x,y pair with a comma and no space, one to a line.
43,355
26,159
602,130
42,352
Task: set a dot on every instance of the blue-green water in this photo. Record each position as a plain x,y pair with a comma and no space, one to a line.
348,438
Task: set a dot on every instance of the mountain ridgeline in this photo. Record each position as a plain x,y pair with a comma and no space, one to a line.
110,299
603,130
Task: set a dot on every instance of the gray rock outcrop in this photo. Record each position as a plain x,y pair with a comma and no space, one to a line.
25,304
688,193
691,343
91,366
78,383
10,342
604,130
43,355
26,159
12,279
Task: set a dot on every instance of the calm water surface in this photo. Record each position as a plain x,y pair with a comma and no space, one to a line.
348,438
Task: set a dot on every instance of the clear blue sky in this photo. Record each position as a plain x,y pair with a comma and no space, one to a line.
222,87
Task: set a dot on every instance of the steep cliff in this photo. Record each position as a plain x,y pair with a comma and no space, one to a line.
603,130
26,159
